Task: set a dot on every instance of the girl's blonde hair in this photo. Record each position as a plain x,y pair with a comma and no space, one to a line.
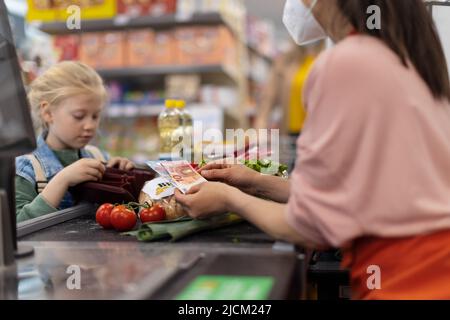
61,81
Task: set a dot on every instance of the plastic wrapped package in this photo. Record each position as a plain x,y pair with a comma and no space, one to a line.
160,191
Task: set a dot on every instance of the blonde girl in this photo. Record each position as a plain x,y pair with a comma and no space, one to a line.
67,101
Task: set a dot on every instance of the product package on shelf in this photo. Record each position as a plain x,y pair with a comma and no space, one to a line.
233,9
133,8
89,9
90,47
222,96
67,47
183,86
103,49
164,49
57,10
205,45
121,94
154,8
140,46
163,7
113,51
41,10
135,97
115,92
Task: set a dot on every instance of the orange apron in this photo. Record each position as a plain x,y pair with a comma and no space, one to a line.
413,268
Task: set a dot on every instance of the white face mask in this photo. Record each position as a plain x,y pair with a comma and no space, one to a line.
301,23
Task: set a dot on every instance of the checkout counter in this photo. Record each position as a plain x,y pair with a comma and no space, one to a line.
74,258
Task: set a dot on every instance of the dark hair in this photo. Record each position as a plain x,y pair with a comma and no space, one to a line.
408,29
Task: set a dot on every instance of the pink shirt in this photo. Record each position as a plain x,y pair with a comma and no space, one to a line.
374,156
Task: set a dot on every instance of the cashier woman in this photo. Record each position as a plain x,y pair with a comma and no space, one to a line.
373,170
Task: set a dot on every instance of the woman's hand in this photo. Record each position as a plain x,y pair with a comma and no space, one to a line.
120,163
205,200
236,175
212,198
80,171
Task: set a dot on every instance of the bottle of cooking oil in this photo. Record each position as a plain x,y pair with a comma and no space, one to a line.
187,124
170,125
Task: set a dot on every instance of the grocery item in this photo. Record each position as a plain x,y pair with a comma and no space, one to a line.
90,47
113,51
160,191
188,123
170,132
164,49
103,49
268,167
139,47
133,8
172,209
205,45
152,214
123,218
103,215
158,188
154,8
67,47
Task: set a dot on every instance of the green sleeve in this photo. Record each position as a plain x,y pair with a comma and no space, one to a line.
29,204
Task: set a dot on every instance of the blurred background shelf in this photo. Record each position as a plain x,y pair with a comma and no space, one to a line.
253,50
215,70
134,110
127,22
214,54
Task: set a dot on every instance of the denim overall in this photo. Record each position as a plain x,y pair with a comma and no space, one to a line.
50,166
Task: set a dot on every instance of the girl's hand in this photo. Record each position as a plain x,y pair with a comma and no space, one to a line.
205,200
236,175
120,163
80,171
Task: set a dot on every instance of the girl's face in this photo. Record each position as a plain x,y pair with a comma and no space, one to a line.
73,122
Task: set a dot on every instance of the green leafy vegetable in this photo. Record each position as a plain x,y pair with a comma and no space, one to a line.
176,230
268,167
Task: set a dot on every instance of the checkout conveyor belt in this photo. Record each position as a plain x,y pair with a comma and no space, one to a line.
114,266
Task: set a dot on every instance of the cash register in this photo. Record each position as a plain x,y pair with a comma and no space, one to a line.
16,138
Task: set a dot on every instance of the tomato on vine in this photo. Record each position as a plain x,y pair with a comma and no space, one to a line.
103,215
123,218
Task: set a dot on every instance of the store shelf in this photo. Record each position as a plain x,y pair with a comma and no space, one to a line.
132,110
257,52
116,111
161,71
126,22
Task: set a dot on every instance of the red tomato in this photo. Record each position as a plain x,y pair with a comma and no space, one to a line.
153,214
123,218
103,215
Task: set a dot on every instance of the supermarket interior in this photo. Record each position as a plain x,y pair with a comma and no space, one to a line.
224,150
216,55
